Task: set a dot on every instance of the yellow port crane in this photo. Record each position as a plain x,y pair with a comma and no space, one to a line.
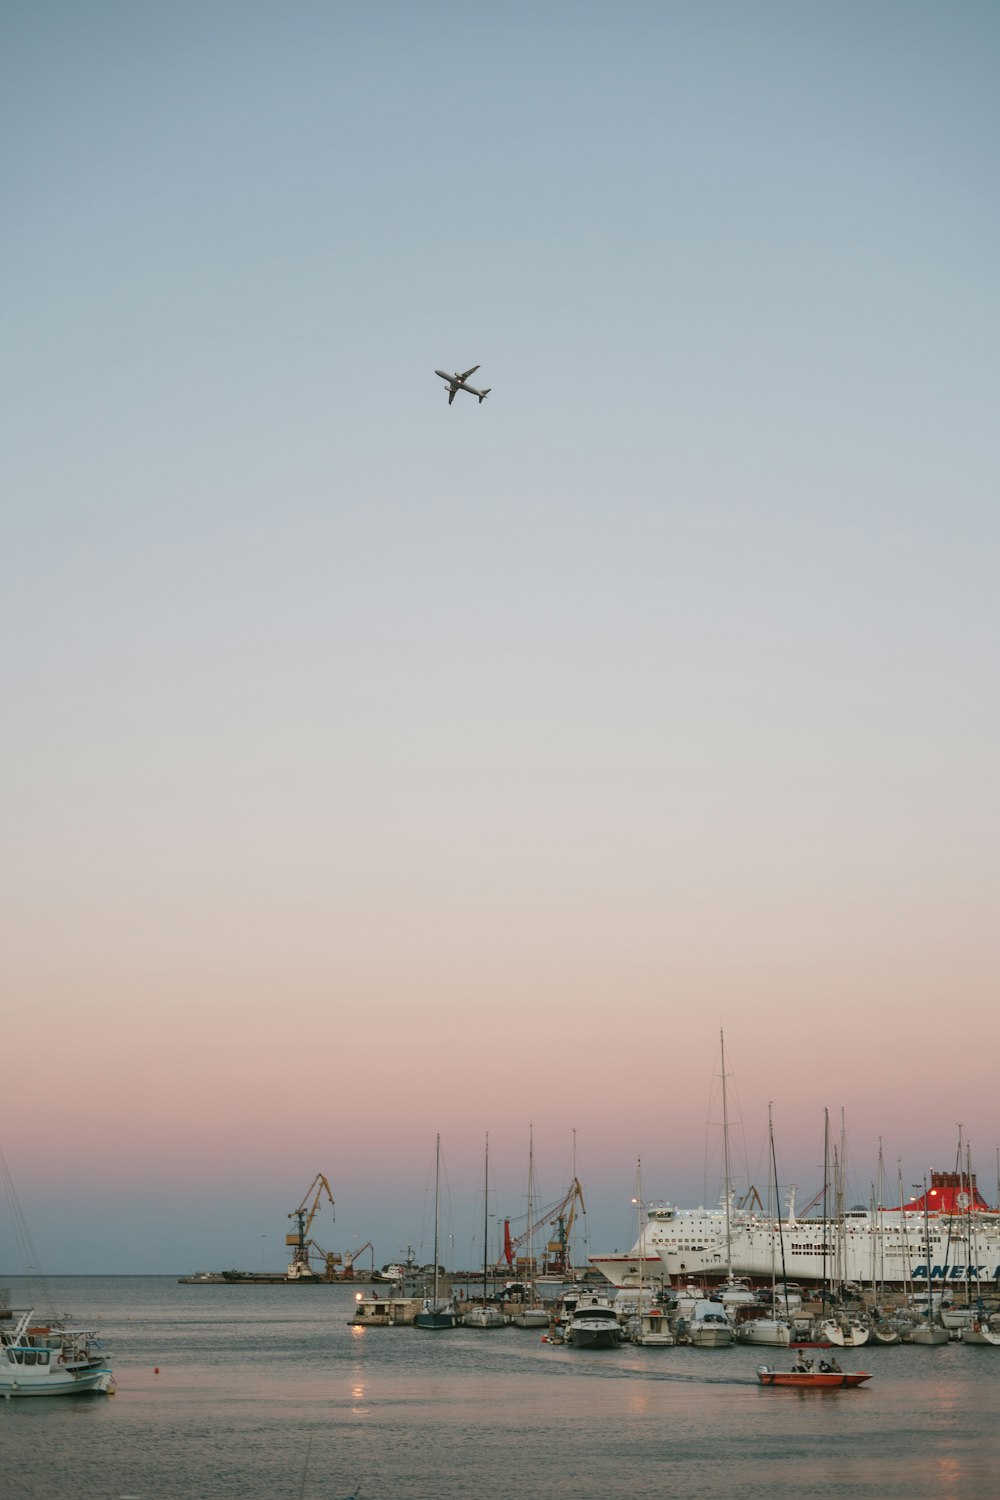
299,1242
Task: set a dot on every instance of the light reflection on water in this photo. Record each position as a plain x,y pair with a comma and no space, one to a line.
264,1392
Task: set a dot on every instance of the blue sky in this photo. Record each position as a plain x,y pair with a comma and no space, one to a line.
658,690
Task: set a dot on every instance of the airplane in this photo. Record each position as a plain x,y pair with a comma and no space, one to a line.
457,383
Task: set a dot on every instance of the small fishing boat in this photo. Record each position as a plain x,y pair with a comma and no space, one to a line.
51,1360
654,1329
805,1377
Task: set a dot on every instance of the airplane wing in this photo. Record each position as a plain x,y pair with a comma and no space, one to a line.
451,395
465,375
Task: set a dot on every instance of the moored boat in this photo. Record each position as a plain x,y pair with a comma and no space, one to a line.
52,1360
593,1325
708,1326
845,1332
653,1329
438,1312
927,1333
773,1331
484,1314
980,1332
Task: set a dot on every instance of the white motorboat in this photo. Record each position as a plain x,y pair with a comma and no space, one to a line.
51,1360
709,1328
594,1324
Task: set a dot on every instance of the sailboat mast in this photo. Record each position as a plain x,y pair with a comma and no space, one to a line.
641,1216
777,1204
486,1214
437,1215
531,1204
907,1266
725,1161
927,1250
878,1262
971,1223
826,1187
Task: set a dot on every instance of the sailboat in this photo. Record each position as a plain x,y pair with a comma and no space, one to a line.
771,1329
841,1329
927,1331
884,1329
708,1326
531,1313
436,1313
978,1330
485,1315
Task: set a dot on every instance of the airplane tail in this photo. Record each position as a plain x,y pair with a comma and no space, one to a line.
484,394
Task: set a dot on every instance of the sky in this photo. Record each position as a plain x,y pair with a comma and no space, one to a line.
373,768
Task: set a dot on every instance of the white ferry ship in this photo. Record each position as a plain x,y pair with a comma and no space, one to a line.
956,1239
673,1244
950,1234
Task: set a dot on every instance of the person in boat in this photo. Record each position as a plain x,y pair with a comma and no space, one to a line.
802,1366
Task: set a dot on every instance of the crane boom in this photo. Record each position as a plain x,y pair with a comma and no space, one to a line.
555,1214
350,1256
305,1213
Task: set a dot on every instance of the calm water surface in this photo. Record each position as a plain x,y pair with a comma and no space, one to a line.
267,1392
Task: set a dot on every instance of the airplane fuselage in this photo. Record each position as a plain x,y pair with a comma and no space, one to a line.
459,382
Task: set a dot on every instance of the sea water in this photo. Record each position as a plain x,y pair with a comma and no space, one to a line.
251,1393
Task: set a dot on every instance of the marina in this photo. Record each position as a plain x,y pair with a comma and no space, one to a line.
257,1394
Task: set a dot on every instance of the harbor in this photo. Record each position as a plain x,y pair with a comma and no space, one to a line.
256,1393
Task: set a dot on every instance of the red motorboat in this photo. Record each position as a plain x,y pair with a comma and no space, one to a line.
805,1377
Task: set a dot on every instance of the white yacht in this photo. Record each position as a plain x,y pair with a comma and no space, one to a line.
594,1324
708,1326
